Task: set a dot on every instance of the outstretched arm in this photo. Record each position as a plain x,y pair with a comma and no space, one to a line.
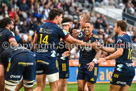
115,55
71,40
108,49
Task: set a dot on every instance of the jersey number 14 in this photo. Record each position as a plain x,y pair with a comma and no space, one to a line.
44,40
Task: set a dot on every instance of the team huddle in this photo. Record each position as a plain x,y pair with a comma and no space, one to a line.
49,60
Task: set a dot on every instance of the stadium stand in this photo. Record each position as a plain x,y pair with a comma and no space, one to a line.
29,14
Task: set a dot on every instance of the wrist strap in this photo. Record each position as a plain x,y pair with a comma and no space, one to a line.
95,60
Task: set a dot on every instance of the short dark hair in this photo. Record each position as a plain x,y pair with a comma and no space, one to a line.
4,22
122,24
55,12
66,19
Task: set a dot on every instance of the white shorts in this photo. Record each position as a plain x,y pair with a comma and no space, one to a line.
53,77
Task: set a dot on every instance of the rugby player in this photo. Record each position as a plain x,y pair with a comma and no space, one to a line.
63,63
6,38
87,56
49,34
84,18
124,71
18,62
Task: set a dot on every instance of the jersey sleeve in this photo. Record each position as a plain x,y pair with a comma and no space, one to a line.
97,38
63,34
37,30
10,34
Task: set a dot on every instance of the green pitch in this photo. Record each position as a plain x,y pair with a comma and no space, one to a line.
98,87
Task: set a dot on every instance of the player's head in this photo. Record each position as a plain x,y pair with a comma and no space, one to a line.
120,26
7,23
88,27
66,23
84,18
56,15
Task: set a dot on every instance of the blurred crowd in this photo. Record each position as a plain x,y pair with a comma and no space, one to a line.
29,14
130,7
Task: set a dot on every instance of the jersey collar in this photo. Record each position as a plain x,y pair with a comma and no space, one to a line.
51,22
88,38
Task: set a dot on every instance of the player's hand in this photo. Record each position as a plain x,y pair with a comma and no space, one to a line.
66,54
101,60
91,66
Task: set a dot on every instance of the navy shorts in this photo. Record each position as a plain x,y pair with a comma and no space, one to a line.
63,68
85,74
22,64
122,80
46,65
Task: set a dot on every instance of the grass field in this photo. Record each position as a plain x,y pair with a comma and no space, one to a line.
98,87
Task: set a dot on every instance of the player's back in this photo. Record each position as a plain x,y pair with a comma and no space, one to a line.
124,64
49,35
11,53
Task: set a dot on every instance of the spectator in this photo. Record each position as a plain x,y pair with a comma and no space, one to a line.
12,13
24,28
47,10
23,6
17,36
130,8
130,32
93,18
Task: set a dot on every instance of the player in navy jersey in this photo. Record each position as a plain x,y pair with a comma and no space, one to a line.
86,56
63,63
124,71
84,18
6,39
47,38
18,62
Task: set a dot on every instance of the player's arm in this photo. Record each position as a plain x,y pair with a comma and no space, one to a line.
114,55
72,40
118,51
11,38
35,41
97,56
13,42
108,49
2,79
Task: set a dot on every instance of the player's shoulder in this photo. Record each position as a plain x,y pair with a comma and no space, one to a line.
124,37
95,36
81,34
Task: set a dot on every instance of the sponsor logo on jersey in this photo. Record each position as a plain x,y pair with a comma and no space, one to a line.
40,71
119,82
15,76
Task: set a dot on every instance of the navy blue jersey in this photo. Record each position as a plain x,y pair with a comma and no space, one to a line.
5,35
124,64
62,47
87,54
10,53
49,35
82,34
